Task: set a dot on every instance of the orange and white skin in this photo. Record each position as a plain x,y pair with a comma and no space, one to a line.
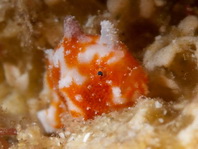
90,75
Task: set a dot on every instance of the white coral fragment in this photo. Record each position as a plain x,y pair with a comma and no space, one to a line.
164,57
163,51
14,104
189,25
15,78
189,133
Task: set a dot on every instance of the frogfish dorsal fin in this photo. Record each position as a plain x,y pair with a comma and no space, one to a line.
72,28
108,34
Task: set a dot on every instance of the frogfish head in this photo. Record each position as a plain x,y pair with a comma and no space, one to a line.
93,74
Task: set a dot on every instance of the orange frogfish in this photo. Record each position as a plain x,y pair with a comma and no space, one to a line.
90,75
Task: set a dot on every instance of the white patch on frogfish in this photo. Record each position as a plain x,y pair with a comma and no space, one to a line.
70,75
109,82
49,54
78,97
118,55
117,95
93,50
47,118
51,111
54,56
71,105
68,52
67,75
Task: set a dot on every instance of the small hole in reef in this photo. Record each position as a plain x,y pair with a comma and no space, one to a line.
100,73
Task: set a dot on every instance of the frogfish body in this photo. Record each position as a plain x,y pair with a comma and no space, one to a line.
90,75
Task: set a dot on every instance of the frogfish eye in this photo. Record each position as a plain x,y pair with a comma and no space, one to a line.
100,73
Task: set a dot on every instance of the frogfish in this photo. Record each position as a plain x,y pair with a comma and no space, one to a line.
90,75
